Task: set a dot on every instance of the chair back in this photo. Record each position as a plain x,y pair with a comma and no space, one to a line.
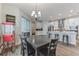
26,47
52,47
30,49
23,38
23,44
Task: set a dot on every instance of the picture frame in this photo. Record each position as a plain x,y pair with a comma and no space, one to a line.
10,18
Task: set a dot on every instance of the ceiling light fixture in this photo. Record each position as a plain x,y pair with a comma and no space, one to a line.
36,13
59,14
71,10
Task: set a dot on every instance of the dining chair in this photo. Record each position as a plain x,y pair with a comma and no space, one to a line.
30,50
50,50
26,47
52,47
23,46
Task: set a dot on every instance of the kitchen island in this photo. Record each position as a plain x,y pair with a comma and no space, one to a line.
71,36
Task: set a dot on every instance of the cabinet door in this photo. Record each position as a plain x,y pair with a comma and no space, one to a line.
61,24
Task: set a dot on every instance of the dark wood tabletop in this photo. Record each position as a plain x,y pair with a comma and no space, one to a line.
39,41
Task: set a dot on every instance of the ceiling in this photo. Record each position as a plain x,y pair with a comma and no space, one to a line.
50,11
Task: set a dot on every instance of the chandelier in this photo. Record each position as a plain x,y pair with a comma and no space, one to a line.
36,14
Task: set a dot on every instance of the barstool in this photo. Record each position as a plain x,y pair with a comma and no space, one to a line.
49,35
67,39
56,36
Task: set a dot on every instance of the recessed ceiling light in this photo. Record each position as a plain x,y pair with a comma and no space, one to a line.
71,11
69,15
50,16
59,14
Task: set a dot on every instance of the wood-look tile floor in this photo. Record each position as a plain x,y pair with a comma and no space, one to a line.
67,50
17,52
62,50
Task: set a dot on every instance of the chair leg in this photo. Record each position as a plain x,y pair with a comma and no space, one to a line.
23,53
54,54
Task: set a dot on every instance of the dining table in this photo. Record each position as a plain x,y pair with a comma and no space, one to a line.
38,41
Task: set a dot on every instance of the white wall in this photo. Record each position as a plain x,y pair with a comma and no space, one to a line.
0,16
0,12
45,28
13,10
0,21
